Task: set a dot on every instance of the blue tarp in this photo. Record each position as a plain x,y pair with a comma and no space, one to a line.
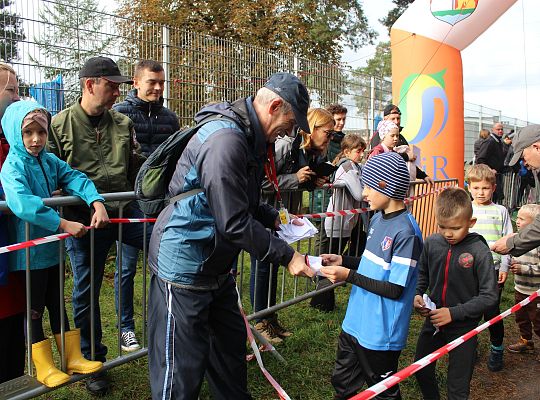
49,94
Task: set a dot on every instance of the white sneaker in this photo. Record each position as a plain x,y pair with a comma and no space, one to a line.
129,341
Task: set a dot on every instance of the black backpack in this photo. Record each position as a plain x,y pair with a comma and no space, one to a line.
152,182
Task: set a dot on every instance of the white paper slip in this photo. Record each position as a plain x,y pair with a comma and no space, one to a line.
315,263
292,233
431,305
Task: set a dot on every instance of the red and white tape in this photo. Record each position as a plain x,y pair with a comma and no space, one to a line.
418,365
131,220
65,235
280,391
34,242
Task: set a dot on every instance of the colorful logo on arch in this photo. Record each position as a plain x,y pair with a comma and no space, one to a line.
453,11
424,105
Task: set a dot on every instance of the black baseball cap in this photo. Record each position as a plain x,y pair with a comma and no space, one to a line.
103,67
391,109
293,91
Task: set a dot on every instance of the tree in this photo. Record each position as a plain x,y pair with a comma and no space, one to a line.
395,13
11,32
380,65
309,28
73,35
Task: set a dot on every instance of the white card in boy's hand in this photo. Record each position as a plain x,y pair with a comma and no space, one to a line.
431,305
428,303
315,263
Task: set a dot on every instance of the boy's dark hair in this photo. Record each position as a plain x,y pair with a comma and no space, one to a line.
151,65
337,109
453,202
479,173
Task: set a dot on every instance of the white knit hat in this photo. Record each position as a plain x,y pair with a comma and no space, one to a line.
385,126
387,173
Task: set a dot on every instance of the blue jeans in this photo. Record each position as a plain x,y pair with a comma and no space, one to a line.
79,255
259,282
130,255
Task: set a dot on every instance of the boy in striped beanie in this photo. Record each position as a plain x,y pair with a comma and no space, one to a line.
376,325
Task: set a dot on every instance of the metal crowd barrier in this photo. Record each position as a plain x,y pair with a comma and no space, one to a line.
27,386
289,290
289,293
518,190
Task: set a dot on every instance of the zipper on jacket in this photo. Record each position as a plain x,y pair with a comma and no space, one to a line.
102,162
445,285
45,175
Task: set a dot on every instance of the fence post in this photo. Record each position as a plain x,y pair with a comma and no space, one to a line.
295,65
371,128
166,61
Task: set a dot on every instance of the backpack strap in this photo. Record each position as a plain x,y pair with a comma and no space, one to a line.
183,195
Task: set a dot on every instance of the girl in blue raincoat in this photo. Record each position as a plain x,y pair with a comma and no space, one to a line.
28,175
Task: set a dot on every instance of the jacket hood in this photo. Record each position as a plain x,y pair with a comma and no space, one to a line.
136,101
233,111
12,123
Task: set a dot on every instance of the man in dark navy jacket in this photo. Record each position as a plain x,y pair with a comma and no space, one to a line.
194,324
153,124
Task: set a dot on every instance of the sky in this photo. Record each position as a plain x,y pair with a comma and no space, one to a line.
500,68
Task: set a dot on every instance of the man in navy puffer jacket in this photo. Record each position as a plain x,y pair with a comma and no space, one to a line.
153,124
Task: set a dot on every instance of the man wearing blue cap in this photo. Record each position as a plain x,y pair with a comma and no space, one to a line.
195,327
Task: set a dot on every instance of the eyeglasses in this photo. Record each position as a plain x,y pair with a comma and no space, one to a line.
330,134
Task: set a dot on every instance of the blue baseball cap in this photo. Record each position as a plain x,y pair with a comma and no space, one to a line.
292,90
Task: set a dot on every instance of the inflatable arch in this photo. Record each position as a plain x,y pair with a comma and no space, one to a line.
427,75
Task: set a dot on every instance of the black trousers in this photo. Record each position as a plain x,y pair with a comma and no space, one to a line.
193,333
460,362
45,292
12,347
356,365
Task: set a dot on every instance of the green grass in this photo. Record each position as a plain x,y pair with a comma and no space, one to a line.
309,352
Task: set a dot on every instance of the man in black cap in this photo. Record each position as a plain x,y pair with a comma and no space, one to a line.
96,140
194,325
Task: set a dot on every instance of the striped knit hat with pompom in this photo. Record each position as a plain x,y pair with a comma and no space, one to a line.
387,173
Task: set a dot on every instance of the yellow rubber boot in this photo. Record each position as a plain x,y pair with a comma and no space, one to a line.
76,363
46,372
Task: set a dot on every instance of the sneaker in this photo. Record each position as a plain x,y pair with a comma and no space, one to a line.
278,328
268,332
522,346
495,362
129,341
98,384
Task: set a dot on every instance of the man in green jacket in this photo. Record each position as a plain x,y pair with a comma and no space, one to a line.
96,140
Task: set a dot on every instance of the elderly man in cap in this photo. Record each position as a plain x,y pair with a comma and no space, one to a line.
195,327
392,113
96,140
526,145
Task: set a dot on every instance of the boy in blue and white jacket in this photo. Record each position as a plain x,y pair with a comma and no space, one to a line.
376,324
30,174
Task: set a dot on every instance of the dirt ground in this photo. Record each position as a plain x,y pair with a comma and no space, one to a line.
520,378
